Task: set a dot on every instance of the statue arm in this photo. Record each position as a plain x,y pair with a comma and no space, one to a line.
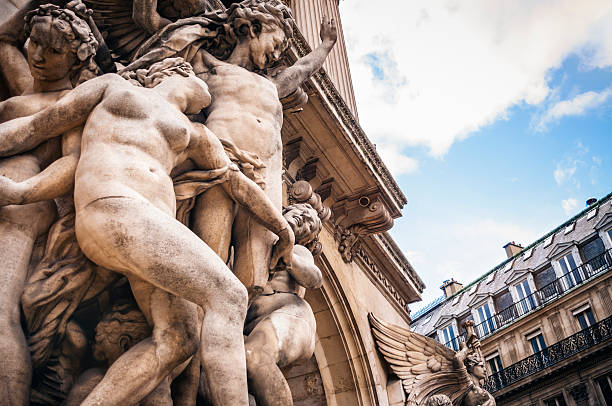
207,153
24,133
144,13
304,270
291,78
54,181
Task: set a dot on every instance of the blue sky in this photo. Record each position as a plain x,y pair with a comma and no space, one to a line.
496,121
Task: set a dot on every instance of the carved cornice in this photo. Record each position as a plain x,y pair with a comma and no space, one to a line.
348,119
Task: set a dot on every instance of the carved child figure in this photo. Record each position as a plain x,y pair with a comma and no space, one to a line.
120,329
280,325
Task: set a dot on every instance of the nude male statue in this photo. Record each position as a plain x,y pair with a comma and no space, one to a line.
246,111
280,325
125,221
55,35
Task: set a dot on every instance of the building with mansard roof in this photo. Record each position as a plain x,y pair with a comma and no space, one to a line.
544,315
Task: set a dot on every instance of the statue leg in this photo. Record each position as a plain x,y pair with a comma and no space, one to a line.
266,381
280,339
143,370
134,237
19,228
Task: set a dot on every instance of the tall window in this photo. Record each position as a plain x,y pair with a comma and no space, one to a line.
485,323
558,400
571,275
450,340
494,362
605,386
585,317
537,342
526,300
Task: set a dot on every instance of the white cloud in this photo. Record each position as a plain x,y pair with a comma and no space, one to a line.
397,163
456,67
569,205
574,107
565,171
463,250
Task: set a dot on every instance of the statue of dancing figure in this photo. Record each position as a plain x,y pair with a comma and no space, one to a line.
125,221
245,110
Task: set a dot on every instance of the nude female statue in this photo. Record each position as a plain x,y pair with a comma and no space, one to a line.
245,110
280,325
56,35
125,221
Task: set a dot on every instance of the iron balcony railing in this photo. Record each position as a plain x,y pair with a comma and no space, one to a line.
547,293
564,349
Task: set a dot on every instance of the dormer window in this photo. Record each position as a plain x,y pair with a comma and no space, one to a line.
571,276
485,324
526,300
449,338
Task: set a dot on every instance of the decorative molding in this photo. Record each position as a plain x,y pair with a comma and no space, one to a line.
559,248
358,217
385,285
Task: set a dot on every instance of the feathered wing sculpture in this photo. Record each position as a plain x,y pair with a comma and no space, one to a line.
425,366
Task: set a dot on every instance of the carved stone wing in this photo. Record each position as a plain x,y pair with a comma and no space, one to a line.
425,366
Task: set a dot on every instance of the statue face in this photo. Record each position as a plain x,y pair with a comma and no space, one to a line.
303,223
267,47
479,371
49,55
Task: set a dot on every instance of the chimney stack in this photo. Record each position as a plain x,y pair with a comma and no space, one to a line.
512,249
450,287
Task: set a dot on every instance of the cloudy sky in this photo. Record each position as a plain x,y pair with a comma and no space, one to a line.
494,116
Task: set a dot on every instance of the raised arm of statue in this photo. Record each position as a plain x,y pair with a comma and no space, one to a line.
25,133
289,79
207,153
54,181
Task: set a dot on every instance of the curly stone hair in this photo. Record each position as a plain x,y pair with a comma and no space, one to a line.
312,240
123,320
471,361
154,74
77,34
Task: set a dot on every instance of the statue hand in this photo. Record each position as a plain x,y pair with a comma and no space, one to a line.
328,32
283,249
11,192
80,9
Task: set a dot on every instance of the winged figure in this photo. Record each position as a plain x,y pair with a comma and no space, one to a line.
431,373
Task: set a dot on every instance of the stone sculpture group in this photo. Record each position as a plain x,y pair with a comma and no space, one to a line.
146,258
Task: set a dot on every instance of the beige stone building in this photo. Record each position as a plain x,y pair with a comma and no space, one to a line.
544,316
363,269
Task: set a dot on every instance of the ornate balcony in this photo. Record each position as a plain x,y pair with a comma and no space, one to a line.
559,287
564,349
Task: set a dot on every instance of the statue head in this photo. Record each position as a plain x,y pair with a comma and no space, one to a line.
267,25
61,45
193,90
119,330
305,223
438,400
475,366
